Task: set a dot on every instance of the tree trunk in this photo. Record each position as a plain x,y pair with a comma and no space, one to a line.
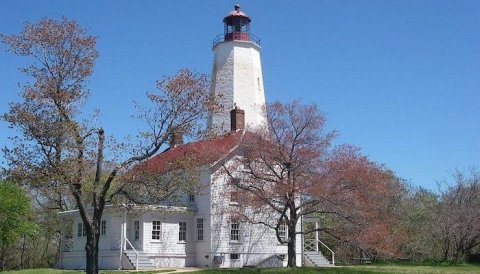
446,249
91,249
22,254
292,258
2,258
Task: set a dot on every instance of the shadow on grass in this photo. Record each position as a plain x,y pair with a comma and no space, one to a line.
364,269
297,270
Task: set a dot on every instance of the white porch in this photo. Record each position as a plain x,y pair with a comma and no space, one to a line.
127,240
312,246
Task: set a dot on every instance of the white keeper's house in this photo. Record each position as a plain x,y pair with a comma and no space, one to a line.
198,232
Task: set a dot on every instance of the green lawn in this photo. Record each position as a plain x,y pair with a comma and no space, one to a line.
42,271
374,269
377,269
61,271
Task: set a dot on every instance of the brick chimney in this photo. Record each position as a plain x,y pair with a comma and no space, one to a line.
237,118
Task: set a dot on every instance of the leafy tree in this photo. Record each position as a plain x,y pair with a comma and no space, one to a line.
38,250
291,171
444,225
14,217
56,152
416,215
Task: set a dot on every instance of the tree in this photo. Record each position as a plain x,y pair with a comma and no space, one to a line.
416,215
14,218
62,157
458,217
292,171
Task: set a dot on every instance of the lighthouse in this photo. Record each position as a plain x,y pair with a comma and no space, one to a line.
237,75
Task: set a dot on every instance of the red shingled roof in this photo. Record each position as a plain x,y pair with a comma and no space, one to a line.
203,152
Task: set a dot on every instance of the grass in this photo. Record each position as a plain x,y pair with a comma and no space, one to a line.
41,271
63,271
362,269
370,269
451,269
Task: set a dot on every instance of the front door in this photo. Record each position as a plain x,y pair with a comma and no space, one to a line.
136,233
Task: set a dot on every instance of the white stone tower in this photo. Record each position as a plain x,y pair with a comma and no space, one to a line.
237,74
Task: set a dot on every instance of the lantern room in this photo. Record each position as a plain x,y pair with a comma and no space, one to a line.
236,28
237,25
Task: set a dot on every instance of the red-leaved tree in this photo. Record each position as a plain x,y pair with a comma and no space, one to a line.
61,156
291,170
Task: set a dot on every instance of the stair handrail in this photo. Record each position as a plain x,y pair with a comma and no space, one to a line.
136,252
331,251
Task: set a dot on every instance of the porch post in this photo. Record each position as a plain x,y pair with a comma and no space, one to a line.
124,224
316,235
121,239
302,239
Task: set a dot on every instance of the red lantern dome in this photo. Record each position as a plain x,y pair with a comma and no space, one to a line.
237,25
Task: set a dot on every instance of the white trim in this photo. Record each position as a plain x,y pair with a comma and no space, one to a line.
110,208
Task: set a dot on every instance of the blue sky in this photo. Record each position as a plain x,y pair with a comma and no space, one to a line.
400,79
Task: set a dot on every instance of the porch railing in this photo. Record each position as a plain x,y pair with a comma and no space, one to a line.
67,244
236,36
134,250
313,245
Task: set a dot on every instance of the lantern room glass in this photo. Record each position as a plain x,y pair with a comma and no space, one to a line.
237,28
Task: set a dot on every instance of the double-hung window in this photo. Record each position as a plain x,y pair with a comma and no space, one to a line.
199,229
103,227
234,230
136,225
282,231
81,230
156,230
182,231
